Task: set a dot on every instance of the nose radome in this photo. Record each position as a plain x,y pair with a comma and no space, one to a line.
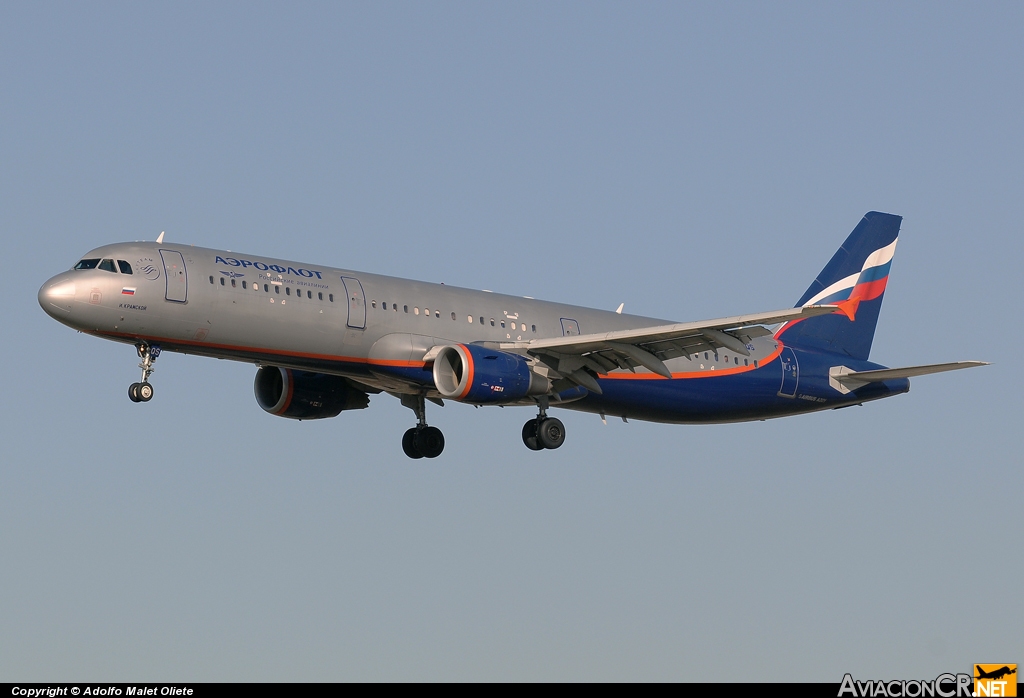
57,295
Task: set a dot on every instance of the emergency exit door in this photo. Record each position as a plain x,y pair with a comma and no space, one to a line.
356,302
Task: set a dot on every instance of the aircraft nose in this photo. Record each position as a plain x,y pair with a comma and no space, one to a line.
57,295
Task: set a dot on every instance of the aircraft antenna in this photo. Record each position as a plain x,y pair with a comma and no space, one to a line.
160,237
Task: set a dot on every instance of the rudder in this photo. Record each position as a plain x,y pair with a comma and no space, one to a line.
855,279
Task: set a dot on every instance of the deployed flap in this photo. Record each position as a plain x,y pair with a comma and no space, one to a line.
884,374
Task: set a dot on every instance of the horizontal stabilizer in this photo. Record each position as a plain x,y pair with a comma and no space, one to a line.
855,379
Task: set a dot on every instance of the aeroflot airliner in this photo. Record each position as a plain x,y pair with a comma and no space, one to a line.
324,339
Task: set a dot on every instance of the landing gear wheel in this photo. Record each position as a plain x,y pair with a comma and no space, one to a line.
409,445
145,392
530,436
133,392
429,441
550,433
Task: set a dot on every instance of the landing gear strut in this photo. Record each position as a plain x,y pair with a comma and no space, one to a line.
143,392
421,441
543,431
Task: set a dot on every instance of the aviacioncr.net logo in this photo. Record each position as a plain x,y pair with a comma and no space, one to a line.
943,686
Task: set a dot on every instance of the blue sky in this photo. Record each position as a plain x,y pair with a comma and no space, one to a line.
690,160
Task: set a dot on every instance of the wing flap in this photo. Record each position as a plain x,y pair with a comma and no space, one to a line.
704,331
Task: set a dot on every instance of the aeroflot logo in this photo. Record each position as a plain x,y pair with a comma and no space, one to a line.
232,262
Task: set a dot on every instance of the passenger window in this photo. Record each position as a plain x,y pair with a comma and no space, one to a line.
469,318
331,297
244,285
124,266
746,362
437,313
233,283
373,304
211,279
287,290
453,317
320,295
416,311
533,328
482,320
309,295
492,322
266,288
755,363
277,290
87,264
108,265
502,323
524,327
222,281
406,308
705,356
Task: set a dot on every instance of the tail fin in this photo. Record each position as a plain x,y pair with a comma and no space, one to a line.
854,279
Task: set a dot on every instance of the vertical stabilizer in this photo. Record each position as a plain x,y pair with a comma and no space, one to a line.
854,279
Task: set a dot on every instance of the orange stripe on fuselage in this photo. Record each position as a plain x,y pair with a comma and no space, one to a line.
706,373
263,350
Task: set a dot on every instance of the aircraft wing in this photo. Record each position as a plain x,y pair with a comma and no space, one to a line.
650,347
855,379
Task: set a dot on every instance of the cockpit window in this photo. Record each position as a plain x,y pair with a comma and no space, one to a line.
108,265
87,264
124,266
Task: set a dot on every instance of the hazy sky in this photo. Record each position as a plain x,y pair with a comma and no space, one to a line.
690,160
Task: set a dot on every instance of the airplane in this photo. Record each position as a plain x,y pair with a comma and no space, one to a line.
324,339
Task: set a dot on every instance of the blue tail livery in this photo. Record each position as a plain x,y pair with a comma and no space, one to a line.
854,279
327,338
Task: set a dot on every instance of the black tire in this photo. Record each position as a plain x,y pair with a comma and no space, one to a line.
429,441
530,436
550,433
133,392
145,392
409,445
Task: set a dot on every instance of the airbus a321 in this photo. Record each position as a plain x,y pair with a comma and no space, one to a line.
325,339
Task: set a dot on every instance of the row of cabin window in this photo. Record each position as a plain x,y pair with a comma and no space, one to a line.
105,265
277,289
736,360
437,313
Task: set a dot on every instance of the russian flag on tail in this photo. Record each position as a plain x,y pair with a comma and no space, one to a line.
855,280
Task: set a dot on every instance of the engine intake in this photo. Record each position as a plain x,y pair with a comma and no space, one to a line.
471,373
304,395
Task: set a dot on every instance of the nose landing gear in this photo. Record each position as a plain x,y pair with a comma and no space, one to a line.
543,431
143,392
421,441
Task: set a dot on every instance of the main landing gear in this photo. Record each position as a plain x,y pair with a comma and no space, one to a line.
143,392
421,441
543,431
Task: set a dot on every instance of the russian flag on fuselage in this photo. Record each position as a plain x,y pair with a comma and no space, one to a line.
855,279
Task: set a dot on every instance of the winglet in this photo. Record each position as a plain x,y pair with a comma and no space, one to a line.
160,237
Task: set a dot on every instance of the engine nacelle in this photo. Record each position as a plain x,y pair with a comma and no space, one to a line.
304,395
471,373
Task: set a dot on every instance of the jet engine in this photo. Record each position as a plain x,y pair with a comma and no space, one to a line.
304,395
471,373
